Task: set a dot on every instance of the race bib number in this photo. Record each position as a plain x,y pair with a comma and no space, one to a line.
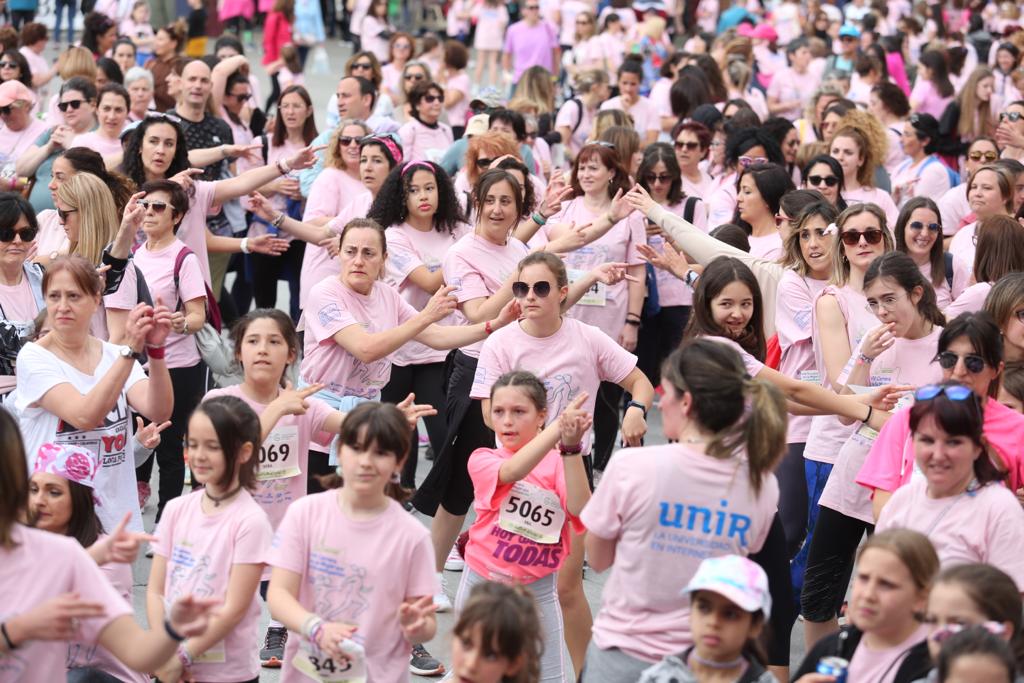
323,668
597,295
812,376
215,655
865,435
532,512
279,454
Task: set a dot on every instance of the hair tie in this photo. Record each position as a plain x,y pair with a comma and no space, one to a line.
414,163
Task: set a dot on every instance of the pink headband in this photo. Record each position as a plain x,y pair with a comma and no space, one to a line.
414,163
392,146
74,463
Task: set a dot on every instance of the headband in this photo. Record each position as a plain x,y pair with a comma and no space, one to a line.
74,463
416,163
393,148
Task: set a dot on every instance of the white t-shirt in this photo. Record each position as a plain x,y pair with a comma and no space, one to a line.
39,371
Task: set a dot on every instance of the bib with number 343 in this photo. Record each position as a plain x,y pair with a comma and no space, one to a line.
279,454
532,512
319,666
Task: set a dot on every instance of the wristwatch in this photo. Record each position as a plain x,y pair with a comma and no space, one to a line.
691,278
126,352
637,404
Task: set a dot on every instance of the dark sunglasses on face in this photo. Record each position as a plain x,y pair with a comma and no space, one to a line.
362,65
26,234
689,145
484,162
158,207
242,96
63,215
6,111
8,65
817,180
652,178
987,156
919,226
1011,116
430,99
852,237
346,140
521,289
74,104
414,77
948,360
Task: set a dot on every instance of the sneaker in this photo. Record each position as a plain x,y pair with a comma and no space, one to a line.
144,493
272,654
454,561
422,664
441,601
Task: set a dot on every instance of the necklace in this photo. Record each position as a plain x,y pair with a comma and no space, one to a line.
693,439
217,500
712,664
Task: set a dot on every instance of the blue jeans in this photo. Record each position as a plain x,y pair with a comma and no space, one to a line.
61,6
817,476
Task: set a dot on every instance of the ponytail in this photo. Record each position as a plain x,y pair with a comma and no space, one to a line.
761,431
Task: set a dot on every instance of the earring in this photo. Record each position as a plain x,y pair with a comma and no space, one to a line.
395,479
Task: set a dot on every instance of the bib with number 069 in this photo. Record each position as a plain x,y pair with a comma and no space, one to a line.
597,295
532,512
279,454
319,666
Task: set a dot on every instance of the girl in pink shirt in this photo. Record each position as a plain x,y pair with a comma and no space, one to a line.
898,351
955,495
758,193
55,594
885,641
214,541
919,235
422,222
112,106
932,91
527,498
424,136
352,570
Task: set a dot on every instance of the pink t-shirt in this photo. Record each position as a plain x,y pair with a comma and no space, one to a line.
607,312
498,554
891,460
281,476
877,196
789,86
201,548
646,117
671,290
569,116
96,656
925,99
340,196
52,236
421,142
907,361
668,508
31,574
953,207
722,202
752,365
701,188
98,142
477,268
357,572
986,525
881,666
530,46
766,246
192,230
827,433
927,178
18,302
332,307
794,304
275,153
963,248
15,143
971,300
408,249
158,267
458,82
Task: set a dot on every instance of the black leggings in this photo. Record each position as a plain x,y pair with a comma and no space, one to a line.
830,563
267,270
660,335
427,382
317,466
773,559
793,497
607,412
189,386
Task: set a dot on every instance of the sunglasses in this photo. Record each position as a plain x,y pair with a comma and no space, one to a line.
484,162
972,361
8,65
362,65
828,180
690,145
987,156
919,226
241,97
6,111
943,633
414,77
851,238
26,234
63,215
74,104
747,162
652,178
158,207
430,99
532,7
521,289
1011,116
346,140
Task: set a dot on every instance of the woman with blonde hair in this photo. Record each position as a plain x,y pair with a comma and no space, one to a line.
626,141
576,118
75,61
859,145
970,115
86,209
535,85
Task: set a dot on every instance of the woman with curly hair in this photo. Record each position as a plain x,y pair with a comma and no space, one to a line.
422,222
859,145
481,152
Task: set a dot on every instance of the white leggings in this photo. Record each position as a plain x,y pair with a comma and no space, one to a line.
545,595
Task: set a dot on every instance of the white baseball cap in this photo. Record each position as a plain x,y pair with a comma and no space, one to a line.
736,578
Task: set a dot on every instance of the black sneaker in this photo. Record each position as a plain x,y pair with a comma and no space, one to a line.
272,654
422,664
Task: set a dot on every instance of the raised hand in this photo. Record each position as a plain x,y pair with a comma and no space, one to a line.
149,435
330,636
878,340
261,206
268,245
56,619
293,401
669,259
509,313
138,326
612,273
414,617
440,305
252,152
305,158
568,240
186,178
121,546
574,423
638,198
414,411
162,323
620,207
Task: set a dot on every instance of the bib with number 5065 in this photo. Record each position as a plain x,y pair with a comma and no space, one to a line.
319,666
532,512
279,454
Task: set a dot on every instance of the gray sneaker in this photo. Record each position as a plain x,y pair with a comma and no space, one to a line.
272,654
422,664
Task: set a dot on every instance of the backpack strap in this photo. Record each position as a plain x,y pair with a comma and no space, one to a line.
689,208
948,258
579,103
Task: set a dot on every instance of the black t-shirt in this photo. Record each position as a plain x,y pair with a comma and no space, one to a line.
210,132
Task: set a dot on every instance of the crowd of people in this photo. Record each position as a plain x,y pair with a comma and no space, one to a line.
790,230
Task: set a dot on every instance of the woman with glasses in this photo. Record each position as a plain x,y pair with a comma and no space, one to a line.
896,351
77,105
413,74
20,127
758,195
400,51
1000,252
692,142
918,234
424,136
959,502
14,67
922,173
825,175
990,192
953,205
743,148
21,292
1010,131
481,152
